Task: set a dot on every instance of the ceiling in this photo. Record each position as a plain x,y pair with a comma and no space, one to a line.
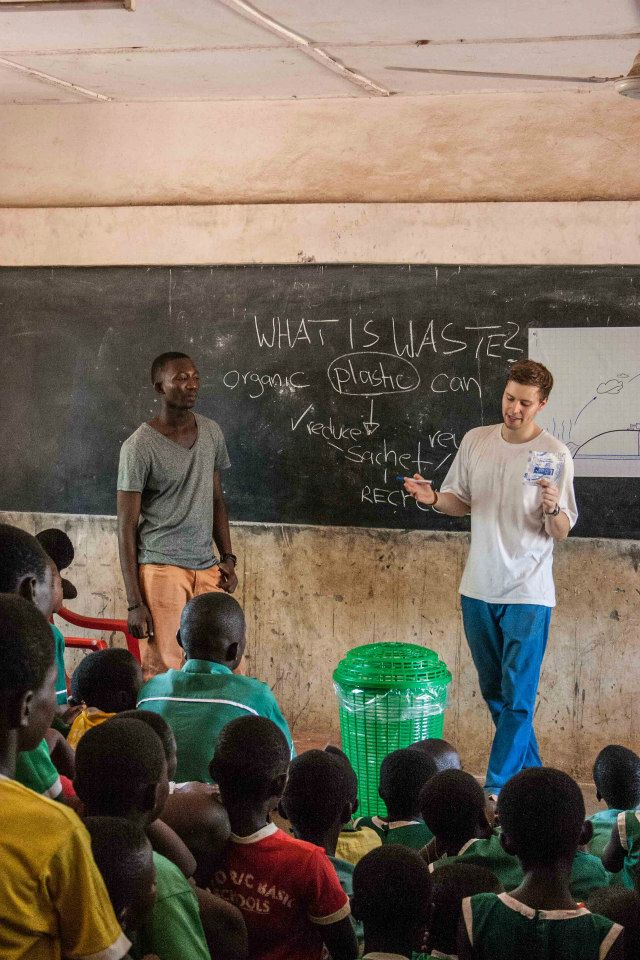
206,50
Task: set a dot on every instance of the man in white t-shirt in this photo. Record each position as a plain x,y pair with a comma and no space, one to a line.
507,586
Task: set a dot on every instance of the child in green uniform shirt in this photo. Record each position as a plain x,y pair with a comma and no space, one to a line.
121,770
454,808
622,854
616,775
201,698
452,883
392,899
542,815
403,774
623,907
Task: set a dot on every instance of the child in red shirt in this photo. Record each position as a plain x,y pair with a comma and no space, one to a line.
287,889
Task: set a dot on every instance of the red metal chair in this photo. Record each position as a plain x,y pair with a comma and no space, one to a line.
98,623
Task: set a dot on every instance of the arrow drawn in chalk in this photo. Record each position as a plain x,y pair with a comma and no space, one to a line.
584,408
370,425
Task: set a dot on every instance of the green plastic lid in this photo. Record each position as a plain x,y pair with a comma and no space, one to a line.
402,666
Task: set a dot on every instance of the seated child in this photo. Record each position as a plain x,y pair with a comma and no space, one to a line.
453,883
316,801
444,755
403,774
192,811
198,700
542,815
353,841
616,775
287,889
59,548
121,771
26,570
623,907
124,857
392,899
69,914
106,682
621,856
454,807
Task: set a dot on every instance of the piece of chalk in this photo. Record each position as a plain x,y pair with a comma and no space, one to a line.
402,479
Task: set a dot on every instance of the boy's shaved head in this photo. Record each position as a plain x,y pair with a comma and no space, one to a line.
443,753
251,754
391,886
616,774
119,766
453,805
107,679
317,794
21,556
212,627
26,647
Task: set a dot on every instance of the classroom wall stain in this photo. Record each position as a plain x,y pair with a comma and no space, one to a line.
312,593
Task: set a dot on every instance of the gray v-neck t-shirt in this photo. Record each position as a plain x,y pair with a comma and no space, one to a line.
176,515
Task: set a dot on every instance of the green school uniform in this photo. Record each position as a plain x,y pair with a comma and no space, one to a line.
587,875
628,823
408,833
501,928
61,676
603,822
198,701
488,853
173,929
344,869
35,769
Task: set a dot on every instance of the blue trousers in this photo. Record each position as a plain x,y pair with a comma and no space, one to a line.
507,643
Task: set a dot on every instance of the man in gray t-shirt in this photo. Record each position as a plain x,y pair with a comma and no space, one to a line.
171,511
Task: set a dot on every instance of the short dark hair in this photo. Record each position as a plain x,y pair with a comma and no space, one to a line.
623,907
443,753
616,774
317,791
352,779
453,883
109,680
26,647
250,753
541,812
391,888
453,805
531,374
160,362
116,763
57,545
209,623
159,725
20,556
121,850
403,773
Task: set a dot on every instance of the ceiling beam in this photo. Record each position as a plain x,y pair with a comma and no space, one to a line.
305,46
53,81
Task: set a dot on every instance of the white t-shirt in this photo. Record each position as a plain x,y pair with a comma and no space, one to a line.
511,555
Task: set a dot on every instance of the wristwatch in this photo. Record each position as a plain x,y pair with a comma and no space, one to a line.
229,556
554,512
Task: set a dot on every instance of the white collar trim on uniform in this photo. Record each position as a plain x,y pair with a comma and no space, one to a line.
530,913
267,831
385,825
465,846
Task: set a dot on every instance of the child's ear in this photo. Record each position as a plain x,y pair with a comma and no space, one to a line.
598,796
345,816
508,845
123,916
586,833
148,797
277,785
355,908
231,655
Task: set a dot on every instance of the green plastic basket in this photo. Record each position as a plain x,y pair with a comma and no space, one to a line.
389,696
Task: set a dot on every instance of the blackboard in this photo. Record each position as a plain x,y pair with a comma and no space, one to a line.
328,381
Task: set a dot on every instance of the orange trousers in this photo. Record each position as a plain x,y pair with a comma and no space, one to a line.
166,590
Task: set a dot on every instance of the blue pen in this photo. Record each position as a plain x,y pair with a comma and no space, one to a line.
402,479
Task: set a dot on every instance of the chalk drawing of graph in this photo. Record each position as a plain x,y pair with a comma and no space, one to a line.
594,406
